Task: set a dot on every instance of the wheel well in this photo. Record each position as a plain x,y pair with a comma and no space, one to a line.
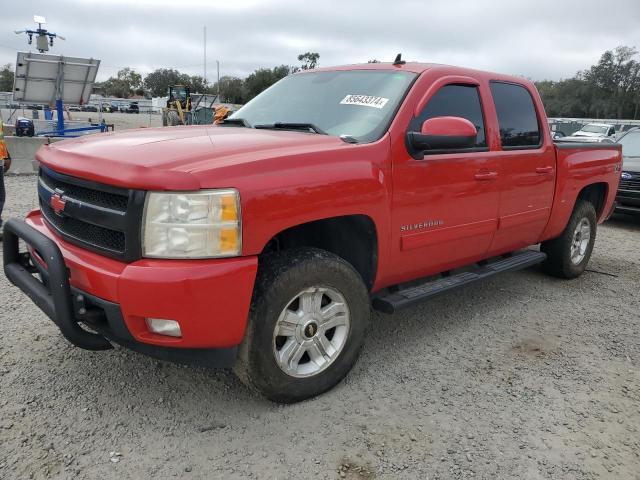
352,238
595,193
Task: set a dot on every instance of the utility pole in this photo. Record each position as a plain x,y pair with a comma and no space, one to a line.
218,83
205,57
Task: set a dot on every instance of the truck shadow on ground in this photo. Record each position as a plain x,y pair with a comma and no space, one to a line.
630,223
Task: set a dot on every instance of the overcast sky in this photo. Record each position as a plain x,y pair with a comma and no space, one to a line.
540,39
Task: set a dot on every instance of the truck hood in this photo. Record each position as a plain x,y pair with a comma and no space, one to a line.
171,158
580,133
585,138
631,164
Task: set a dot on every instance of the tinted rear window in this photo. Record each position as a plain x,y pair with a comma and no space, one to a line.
519,127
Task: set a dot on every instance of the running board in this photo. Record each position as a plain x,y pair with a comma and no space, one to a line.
393,301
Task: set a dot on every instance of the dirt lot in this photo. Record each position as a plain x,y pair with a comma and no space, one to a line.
523,376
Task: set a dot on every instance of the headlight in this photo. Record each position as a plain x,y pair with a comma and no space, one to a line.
192,225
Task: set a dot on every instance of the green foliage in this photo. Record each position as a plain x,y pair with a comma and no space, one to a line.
157,83
231,90
309,60
6,78
132,78
263,78
197,85
114,87
609,89
126,83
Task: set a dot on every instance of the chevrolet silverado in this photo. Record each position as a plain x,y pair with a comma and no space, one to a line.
262,243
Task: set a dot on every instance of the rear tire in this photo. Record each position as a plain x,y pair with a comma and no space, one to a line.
569,254
308,317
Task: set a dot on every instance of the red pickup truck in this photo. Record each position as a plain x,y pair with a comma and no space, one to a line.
262,243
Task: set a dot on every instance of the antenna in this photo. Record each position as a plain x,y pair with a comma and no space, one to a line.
398,60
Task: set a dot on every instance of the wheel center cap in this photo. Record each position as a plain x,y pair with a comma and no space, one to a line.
310,329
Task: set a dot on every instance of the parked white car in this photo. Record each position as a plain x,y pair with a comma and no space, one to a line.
593,132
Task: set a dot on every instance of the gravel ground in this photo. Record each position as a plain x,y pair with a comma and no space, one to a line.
523,376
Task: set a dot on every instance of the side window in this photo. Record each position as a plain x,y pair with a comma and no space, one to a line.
517,118
454,101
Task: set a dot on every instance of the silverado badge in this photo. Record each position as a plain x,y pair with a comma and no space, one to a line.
421,225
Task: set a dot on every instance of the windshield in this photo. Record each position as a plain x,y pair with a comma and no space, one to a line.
354,103
180,94
631,144
595,129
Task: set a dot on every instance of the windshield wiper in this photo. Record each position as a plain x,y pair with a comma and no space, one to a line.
236,121
292,126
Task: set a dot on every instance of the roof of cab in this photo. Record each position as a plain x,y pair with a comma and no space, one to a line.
407,67
418,68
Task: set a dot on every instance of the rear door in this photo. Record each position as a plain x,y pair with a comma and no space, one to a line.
445,205
527,168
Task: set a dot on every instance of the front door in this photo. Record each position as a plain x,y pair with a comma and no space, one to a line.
445,206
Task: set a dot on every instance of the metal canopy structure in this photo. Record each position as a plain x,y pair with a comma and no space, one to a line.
49,79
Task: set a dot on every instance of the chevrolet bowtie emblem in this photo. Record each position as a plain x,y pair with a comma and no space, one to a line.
57,203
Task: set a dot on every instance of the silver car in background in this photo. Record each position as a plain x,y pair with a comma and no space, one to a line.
593,132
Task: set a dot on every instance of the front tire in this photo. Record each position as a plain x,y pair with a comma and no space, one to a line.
308,317
569,254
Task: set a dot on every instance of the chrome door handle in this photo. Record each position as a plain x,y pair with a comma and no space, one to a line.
484,176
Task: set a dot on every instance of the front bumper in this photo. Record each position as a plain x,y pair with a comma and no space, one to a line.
209,298
628,201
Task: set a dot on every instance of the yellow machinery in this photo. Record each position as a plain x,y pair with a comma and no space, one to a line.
178,111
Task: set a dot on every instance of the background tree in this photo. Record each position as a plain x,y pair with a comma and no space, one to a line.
608,89
197,85
131,78
309,60
616,78
6,78
231,90
126,83
567,98
158,81
262,79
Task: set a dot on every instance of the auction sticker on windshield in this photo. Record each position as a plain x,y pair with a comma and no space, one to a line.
365,101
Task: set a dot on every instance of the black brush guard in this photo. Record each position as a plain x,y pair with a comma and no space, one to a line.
54,298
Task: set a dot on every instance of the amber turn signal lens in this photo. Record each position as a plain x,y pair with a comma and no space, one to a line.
229,208
229,240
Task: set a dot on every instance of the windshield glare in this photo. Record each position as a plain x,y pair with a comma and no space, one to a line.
356,103
594,129
631,144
